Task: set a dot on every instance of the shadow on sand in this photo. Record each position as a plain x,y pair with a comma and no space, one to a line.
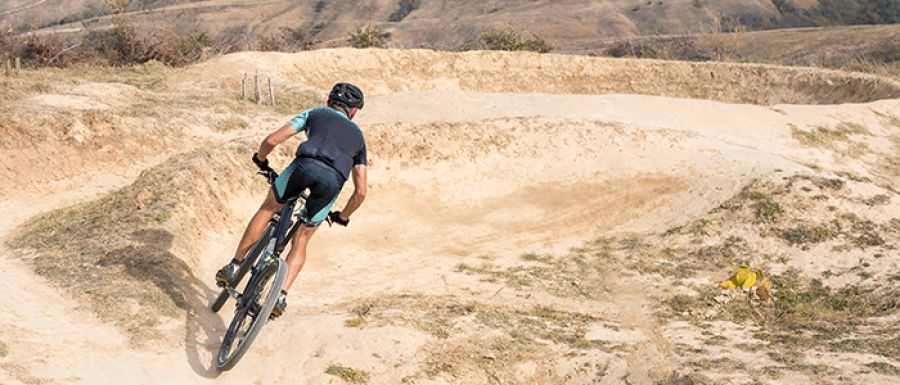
153,263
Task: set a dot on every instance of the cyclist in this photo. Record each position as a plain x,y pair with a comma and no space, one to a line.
334,150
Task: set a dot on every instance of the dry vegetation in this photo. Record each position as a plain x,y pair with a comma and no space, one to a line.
123,37
368,36
768,223
350,375
869,49
123,43
510,40
473,338
118,254
114,253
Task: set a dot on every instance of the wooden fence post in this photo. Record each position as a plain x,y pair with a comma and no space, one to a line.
18,65
256,87
6,67
271,92
244,87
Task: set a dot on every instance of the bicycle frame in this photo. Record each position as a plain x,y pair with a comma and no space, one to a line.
284,230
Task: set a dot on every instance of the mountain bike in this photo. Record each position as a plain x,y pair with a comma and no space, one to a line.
268,272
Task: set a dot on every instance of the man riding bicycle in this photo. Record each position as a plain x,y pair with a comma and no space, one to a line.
334,150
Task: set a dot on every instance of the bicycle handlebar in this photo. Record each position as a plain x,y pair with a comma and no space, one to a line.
269,174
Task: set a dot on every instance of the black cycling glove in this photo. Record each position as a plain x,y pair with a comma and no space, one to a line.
335,217
262,164
264,169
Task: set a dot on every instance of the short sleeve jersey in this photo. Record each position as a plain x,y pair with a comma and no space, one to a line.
332,139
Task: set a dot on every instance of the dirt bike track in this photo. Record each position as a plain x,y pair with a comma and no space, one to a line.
464,169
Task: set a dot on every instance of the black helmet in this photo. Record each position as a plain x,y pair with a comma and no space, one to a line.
346,94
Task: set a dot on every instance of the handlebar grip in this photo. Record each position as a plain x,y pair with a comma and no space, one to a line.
270,175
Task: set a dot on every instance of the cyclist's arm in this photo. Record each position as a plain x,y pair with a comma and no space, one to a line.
274,139
359,192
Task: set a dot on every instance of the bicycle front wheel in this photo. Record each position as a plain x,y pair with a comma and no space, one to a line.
249,319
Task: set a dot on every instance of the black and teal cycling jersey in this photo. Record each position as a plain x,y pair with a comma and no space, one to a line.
332,139
323,163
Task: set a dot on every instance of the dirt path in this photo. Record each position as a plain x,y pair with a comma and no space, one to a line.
472,177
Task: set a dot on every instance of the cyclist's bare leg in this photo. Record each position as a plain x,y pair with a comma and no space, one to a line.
257,225
297,257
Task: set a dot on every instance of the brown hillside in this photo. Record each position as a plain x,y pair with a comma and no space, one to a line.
834,46
413,24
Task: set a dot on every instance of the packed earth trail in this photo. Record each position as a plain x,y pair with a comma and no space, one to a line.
553,224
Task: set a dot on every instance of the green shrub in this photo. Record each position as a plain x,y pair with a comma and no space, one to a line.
510,40
368,36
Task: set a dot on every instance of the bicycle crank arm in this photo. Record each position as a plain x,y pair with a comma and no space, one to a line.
233,293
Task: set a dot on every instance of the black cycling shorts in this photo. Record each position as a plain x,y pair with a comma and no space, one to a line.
323,182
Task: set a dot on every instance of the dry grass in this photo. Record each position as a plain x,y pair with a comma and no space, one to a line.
869,49
351,375
114,252
805,315
116,255
581,273
871,66
837,139
231,123
355,322
511,40
478,339
437,315
884,368
148,76
293,101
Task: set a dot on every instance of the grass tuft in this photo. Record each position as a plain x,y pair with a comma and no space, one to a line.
805,235
354,322
768,210
351,375
884,368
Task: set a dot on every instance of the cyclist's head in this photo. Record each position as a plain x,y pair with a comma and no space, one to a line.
345,96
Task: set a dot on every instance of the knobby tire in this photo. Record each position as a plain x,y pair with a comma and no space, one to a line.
273,276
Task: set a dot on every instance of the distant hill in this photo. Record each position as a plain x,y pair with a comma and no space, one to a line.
830,47
440,24
666,29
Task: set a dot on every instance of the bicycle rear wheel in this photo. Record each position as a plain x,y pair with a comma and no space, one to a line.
249,319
